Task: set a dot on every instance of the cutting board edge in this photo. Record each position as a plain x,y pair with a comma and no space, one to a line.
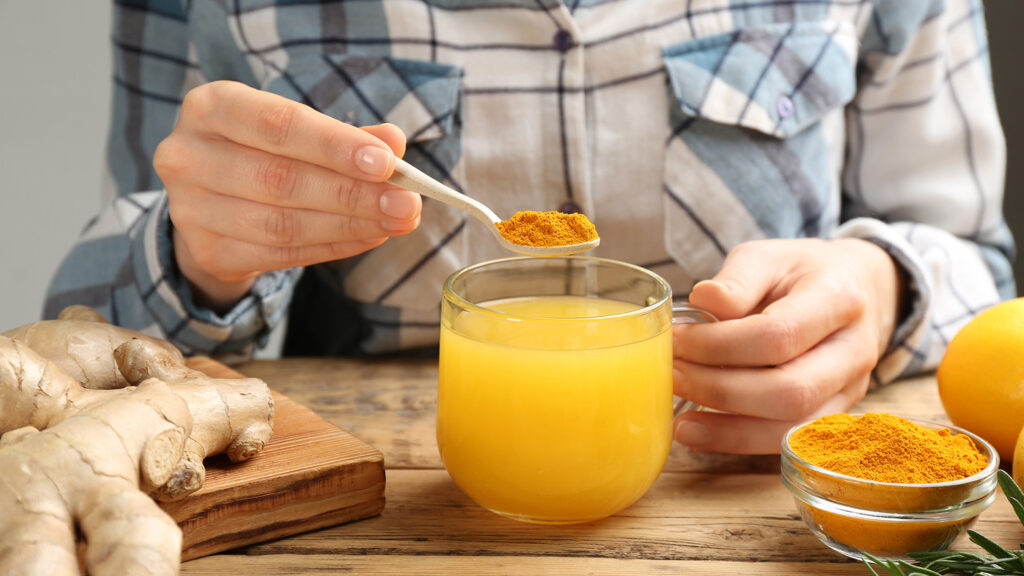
334,491
360,510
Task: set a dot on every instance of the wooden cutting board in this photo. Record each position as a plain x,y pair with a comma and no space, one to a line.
310,475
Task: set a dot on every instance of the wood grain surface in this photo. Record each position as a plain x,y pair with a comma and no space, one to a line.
310,475
706,514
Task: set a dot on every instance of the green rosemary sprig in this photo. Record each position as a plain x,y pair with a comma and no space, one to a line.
998,562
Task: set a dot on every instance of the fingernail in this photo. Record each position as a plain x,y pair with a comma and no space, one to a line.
692,434
721,285
398,204
373,161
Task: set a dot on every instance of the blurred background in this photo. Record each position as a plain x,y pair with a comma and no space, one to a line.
55,72
54,104
1005,40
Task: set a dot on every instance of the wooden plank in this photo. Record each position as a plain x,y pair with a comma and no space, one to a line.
386,402
684,517
288,565
310,475
708,514
392,403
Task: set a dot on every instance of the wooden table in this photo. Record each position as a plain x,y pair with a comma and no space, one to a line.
706,514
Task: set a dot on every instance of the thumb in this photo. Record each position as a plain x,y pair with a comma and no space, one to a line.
741,285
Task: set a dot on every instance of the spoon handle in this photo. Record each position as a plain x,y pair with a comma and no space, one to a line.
409,177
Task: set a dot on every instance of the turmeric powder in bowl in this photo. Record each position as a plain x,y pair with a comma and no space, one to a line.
887,485
530,228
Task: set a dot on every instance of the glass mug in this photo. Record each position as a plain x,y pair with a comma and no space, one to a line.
555,385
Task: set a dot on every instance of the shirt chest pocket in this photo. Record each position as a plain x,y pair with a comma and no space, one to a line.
424,100
757,135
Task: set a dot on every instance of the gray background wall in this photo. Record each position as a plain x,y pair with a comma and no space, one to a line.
54,104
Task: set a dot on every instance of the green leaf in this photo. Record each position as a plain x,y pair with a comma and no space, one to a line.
1013,563
868,564
1008,485
888,565
989,546
1013,493
917,570
1018,509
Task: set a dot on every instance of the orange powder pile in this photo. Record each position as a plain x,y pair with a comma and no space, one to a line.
531,228
887,448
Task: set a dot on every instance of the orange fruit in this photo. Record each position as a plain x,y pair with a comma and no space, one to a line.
1018,461
981,376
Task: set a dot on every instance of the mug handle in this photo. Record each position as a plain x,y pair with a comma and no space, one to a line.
686,314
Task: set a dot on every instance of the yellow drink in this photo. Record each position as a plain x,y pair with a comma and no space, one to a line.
555,409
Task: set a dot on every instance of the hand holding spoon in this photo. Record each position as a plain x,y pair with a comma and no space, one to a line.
410,178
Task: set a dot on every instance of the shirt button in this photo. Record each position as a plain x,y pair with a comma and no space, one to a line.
563,40
785,107
569,207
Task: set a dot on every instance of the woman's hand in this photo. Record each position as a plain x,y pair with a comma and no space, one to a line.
803,323
257,182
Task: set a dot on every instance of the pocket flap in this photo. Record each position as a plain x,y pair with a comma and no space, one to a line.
419,97
776,79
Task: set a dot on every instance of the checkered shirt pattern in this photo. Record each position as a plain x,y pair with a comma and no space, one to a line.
681,128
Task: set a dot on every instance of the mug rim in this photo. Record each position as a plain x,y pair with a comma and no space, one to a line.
449,294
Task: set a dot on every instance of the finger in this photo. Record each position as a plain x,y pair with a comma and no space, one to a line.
814,308
271,179
391,135
738,434
748,275
236,260
789,391
267,225
281,126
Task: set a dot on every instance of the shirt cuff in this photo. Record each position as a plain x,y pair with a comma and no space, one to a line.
911,327
232,336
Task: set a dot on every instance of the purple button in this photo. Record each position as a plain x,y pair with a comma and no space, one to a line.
569,207
785,107
563,40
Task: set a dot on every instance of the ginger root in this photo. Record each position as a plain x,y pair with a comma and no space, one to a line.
74,458
79,342
85,472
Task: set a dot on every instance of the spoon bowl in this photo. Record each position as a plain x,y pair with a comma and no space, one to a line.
409,177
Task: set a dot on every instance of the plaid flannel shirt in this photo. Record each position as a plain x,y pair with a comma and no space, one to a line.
681,128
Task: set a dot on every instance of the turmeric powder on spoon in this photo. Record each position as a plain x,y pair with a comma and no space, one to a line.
531,228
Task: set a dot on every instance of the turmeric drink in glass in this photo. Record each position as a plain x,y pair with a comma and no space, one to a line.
555,385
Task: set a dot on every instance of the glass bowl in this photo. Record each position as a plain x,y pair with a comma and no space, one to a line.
887,520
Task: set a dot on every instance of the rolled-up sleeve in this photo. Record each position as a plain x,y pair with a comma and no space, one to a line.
123,263
925,168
